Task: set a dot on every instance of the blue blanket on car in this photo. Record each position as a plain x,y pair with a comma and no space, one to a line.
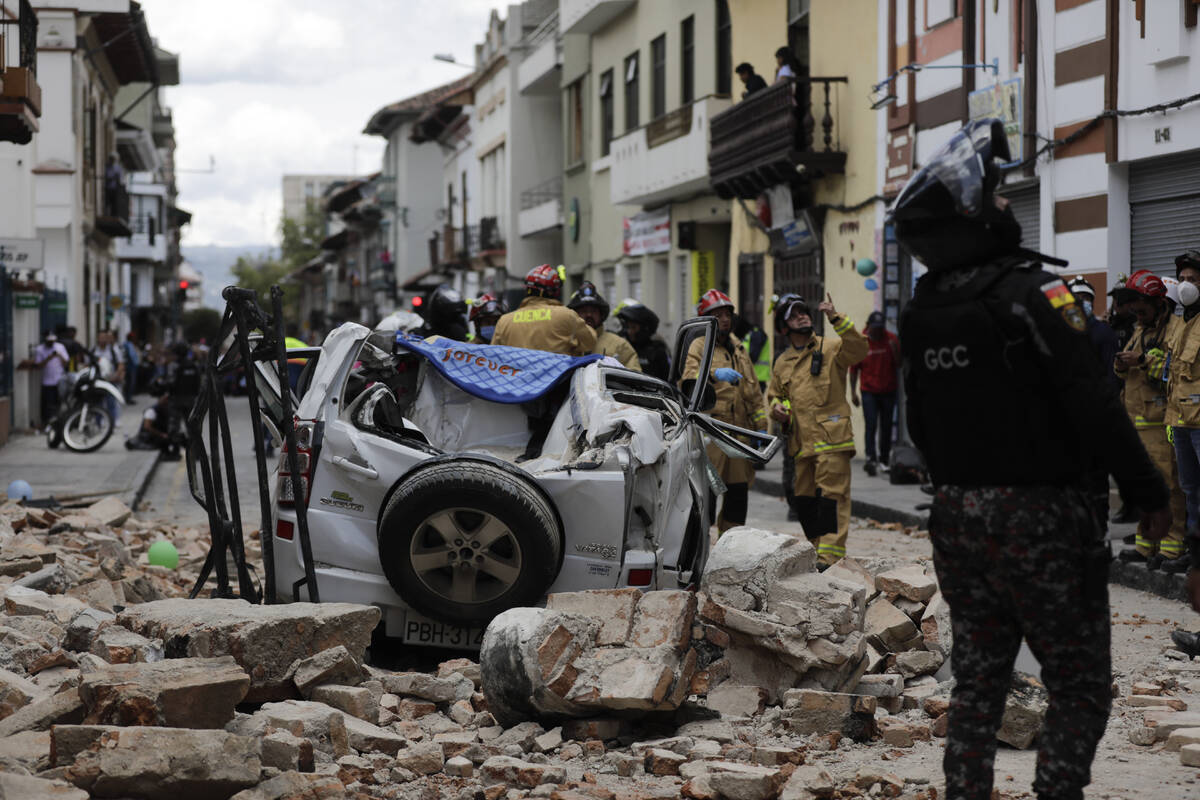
493,372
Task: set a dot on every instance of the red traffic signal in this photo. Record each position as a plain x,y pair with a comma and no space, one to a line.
183,284
417,301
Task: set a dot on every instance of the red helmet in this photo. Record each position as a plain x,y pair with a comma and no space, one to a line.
1146,283
711,300
544,280
486,305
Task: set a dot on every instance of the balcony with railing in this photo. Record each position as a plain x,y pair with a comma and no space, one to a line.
20,95
541,209
665,159
538,71
146,242
113,218
773,134
589,16
163,127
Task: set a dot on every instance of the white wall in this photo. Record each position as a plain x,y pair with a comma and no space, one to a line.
418,176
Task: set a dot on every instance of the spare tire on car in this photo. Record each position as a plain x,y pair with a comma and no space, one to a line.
461,541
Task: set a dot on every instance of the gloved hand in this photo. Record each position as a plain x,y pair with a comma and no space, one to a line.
727,374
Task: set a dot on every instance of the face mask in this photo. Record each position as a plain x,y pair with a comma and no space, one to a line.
1087,308
487,331
1189,293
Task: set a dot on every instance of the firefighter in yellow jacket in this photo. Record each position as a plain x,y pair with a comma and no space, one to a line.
1141,366
541,322
594,310
808,394
739,402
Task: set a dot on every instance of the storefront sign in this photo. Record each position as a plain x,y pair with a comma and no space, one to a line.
27,301
648,232
704,273
1002,101
22,254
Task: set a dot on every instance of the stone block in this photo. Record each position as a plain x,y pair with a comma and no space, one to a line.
820,604
459,767
368,738
295,786
623,679
935,626
806,782
421,758
1150,701
914,663
890,685
117,645
463,666
735,781
167,764
285,752
429,687
896,732
16,692
1181,737
51,579
550,740
657,761
887,625
179,693
746,562
68,741
732,700
265,640
324,726
29,787
1024,712
354,700
102,594
412,709
849,570
20,601
82,629
613,609
56,709
809,711
1189,755
584,729
332,666
663,618
909,582
110,512
1163,722
517,773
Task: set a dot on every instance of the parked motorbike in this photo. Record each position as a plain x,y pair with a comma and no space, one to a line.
83,423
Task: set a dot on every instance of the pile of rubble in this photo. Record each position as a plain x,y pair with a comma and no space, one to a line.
757,687
1166,721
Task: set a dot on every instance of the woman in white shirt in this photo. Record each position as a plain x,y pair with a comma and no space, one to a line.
786,64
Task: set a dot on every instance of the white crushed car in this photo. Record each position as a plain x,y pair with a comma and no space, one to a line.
418,499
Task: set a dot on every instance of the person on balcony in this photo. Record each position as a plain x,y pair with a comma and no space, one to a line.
786,64
751,79
112,184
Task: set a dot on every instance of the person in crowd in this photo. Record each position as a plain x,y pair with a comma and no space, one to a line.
132,361
879,374
594,309
1101,335
997,362
750,79
156,431
182,380
781,428
808,394
76,353
541,322
787,66
758,347
1184,413
486,311
639,326
51,358
445,315
1142,370
110,364
738,402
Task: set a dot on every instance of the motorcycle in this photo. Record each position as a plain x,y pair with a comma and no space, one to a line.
83,423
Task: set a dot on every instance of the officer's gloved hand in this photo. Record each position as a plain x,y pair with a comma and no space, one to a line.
727,374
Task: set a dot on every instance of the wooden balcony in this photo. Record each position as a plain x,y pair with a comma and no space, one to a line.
20,105
772,137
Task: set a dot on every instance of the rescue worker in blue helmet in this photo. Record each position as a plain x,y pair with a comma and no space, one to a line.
990,336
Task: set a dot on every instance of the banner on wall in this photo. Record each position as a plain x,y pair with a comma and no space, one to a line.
647,232
704,273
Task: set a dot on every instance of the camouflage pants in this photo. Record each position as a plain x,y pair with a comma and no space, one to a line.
1026,562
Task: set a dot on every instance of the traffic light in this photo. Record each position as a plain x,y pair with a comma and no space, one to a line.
416,301
181,293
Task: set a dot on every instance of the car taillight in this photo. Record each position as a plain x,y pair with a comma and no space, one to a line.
304,438
284,530
640,577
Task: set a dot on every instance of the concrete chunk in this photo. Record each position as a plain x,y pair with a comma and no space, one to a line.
39,715
28,787
910,582
334,665
179,693
16,692
612,608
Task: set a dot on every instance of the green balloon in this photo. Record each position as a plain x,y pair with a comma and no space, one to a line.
163,554
866,267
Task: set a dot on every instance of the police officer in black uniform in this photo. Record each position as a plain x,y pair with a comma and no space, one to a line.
446,315
638,325
1007,403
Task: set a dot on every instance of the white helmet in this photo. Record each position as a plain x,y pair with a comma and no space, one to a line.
1079,286
1172,285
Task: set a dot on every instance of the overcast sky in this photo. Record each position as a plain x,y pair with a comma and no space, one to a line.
269,87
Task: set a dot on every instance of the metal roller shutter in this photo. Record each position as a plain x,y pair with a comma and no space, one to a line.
1164,207
1026,203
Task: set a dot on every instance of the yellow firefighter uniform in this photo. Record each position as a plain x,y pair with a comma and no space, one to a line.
739,404
1145,396
821,436
541,323
1183,389
610,344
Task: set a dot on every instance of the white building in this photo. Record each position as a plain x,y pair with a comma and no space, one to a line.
301,192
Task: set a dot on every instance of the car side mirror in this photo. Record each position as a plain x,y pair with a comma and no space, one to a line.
694,389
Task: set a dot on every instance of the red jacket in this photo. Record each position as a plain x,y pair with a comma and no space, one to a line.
878,371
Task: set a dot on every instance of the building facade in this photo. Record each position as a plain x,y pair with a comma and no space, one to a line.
304,192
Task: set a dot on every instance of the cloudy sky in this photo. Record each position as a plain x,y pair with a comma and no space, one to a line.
286,86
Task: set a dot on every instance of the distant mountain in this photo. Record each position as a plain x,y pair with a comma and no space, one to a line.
215,262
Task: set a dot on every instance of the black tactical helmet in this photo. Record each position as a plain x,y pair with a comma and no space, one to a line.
587,295
946,215
643,316
446,304
784,306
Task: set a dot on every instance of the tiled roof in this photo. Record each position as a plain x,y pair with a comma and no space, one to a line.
414,106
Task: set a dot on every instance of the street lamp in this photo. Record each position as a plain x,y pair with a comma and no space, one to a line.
450,59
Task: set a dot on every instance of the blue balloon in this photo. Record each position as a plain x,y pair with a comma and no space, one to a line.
20,490
871,284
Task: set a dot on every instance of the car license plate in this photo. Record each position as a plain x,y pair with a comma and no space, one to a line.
424,631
